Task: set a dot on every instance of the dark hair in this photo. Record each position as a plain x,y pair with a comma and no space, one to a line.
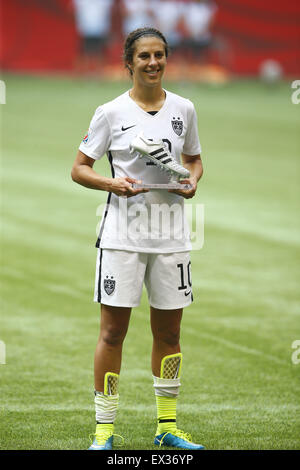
129,46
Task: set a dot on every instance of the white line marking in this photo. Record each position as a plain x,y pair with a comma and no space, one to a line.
63,289
151,409
237,347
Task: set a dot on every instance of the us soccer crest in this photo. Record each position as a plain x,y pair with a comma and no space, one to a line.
109,285
177,126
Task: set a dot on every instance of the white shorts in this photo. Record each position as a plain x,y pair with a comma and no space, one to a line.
120,276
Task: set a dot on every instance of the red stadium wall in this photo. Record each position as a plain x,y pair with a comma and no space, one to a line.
37,35
40,35
258,30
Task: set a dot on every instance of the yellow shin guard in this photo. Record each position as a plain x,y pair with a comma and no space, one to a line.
111,382
171,366
166,392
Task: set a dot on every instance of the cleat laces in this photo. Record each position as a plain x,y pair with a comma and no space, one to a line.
103,435
178,433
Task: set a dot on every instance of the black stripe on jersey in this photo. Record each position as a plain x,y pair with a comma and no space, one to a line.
156,151
103,221
99,277
108,200
167,161
110,159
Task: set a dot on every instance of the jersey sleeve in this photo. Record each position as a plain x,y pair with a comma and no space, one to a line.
97,140
192,144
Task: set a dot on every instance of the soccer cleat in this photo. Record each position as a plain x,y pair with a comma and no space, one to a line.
178,439
158,153
103,438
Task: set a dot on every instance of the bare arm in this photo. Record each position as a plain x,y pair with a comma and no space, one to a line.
84,174
193,163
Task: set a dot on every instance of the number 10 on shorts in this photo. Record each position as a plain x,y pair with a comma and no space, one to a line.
185,276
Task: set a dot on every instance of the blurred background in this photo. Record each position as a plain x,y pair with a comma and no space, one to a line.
236,61
212,40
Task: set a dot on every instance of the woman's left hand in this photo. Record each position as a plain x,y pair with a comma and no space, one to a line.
186,193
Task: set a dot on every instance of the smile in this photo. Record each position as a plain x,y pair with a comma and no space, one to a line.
152,72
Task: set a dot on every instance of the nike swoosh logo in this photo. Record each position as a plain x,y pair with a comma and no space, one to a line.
187,293
126,128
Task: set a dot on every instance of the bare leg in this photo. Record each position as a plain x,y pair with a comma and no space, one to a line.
165,325
108,354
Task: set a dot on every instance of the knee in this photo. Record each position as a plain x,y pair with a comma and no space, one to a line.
112,335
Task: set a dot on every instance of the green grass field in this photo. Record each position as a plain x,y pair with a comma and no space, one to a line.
240,389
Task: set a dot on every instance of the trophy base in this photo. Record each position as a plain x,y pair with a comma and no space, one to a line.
162,185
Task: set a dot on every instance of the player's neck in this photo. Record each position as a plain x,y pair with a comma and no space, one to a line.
149,99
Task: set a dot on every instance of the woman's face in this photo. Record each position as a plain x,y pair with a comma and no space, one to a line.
149,61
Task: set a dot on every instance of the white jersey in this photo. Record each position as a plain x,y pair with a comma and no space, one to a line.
167,16
197,16
93,17
152,222
137,13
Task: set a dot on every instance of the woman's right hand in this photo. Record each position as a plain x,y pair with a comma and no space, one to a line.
84,174
123,187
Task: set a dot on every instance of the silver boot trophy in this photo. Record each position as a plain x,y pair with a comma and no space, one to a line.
159,154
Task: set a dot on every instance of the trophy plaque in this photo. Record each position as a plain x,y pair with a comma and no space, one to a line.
171,185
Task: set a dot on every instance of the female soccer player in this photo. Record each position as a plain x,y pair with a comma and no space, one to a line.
143,235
